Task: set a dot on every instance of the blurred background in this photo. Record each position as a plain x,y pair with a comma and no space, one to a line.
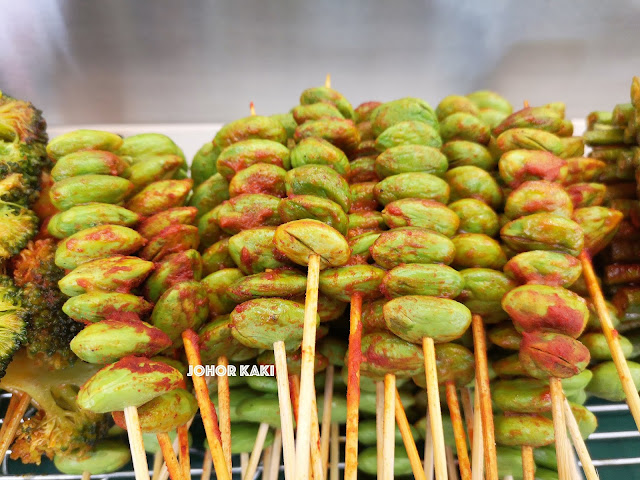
163,61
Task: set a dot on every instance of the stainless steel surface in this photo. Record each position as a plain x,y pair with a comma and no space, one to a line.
203,61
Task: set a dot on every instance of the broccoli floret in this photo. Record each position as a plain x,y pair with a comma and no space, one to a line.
60,425
12,322
23,164
21,122
18,225
49,330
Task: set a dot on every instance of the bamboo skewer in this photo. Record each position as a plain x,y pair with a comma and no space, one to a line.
164,473
225,411
451,464
587,464
12,420
611,335
380,428
86,476
207,464
528,465
207,410
138,455
244,463
389,426
407,438
286,416
335,452
467,408
483,391
563,447
157,465
477,448
458,431
274,463
326,418
183,442
435,415
317,466
256,452
353,388
175,470
266,462
428,448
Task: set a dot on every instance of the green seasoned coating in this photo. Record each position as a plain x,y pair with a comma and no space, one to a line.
334,349
131,381
516,430
364,110
343,283
473,182
476,250
216,340
475,217
543,231
161,167
383,352
414,317
261,322
360,245
491,117
329,308
177,267
145,145
587,421
300,239
483,292
259,409
604,136
587,194
599,349
87,162
315,111
287,121
505,336
164,413
548,354
366,221
418,212
106,456
453,104
327,95
368,462
249,211
217,257
541,307
107,341
411,158
160,196
243,437
460,153
89,188
544,268
82,140
540,118
521,395
509,366
209,194
366,133
154,225
253,251
204,161
209,228
298,207
181,307
538,196
408,133
545,458
599,224
363,169
339,132
571,147
529,139
96,306
173,239
320,181
365,147
113,274
577,383
81,217
247,128
216,286
606,384
363,197
412,185
519,166
454,363
418,279
489,99
622,113
263,384
259,178
316,151
274,283
243,154
404,109
464,126
412,245
96,242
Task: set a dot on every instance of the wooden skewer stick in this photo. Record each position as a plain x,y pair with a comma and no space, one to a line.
303,433
326,418
578,443
12,420
169,455
611,335
458,430
266,462
334,473
252,109
86,475
428,448
317,466
138,455
183,442
563,447
164,473
207,410
286,416
408,440
157,465
484,392
274,463
244,463
353,388
257,451
389,426
380,428
451,464
327,81
207,464
467,408
528,465
477,447
435,415
224,404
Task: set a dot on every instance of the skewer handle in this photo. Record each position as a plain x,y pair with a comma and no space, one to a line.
451,464
380,428
86,476
578,443
225,408
528,465
276,451
325,434
334,472
138,455
257,451
353,388
477,449
563,447
435,415
428,448
286,416
157,465
183,442
408,440
207,465
175,471
458,431
389,426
